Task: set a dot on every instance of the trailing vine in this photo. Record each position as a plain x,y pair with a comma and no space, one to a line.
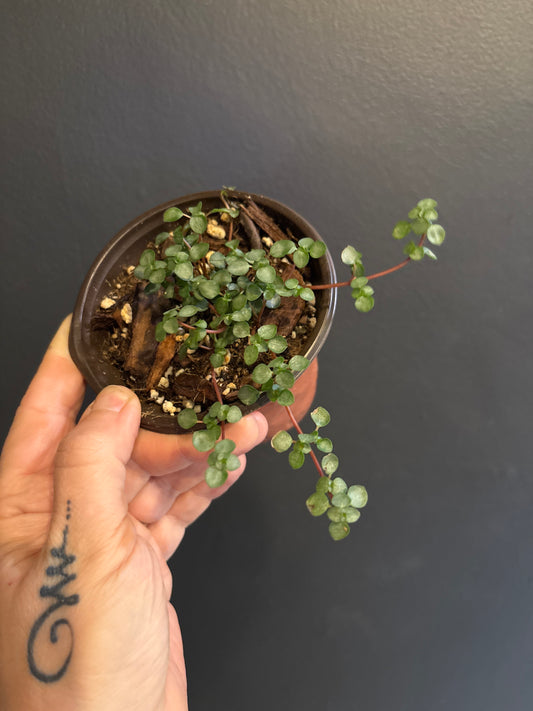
220,298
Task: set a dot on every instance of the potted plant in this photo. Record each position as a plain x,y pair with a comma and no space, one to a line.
210,306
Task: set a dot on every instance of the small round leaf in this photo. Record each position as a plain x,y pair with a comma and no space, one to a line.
267,331
204,440
358,496
184,271
215,477
282,248
401,229
233,462
317,504
248,395
427,204
251,354
261,374
320,417
351,515
198,223
285,398
157,276
317,250
281,441
285,379
300,258
266,274
277,344
241,329
199,250
436,234
349,255
187,418
172,214
234,414
296,459
324,444
238,266
341,500
339,530
364,304
298,363
307,294
187,311
225,447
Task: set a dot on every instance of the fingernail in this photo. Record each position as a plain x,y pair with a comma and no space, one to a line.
113,398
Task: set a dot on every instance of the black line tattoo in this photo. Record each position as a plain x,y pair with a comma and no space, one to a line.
59,600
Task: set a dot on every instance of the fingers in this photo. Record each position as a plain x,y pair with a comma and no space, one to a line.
47,412
91,462
170,529
154,500
155,496
164,454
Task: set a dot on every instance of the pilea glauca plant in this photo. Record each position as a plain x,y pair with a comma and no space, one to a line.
217,297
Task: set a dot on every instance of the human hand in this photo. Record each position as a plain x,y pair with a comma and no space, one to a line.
88,514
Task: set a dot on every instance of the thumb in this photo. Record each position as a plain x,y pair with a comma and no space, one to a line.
90,465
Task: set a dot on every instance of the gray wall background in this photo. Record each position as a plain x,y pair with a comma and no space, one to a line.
348,111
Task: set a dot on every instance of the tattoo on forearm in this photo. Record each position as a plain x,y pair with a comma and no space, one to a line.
59,600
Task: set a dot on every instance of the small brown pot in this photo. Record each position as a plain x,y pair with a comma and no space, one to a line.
125,249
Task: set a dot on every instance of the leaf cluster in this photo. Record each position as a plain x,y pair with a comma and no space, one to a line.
340,502
300,252
275,378
420,222
331,494
220,460
362,294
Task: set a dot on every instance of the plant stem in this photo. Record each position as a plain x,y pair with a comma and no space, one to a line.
261,312
372,276
193,328
300,431
219,398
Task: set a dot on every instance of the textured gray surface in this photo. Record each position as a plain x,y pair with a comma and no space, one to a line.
348,112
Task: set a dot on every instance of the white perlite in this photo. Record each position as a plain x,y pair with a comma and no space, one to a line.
215,230
126,313
107,303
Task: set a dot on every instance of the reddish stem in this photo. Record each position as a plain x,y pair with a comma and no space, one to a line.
299,430
261,312
193,328
372,276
